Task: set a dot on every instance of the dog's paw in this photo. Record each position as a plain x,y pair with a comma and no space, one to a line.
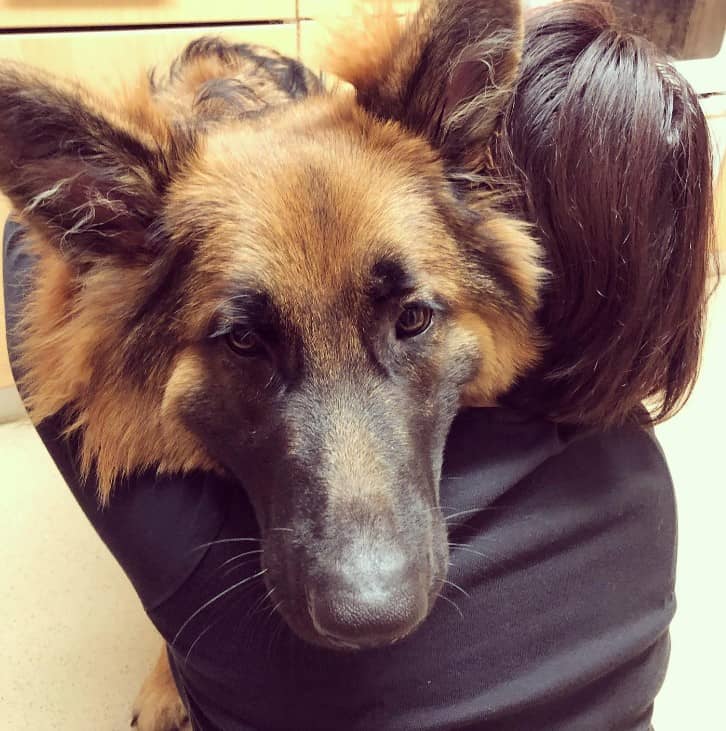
158,706
159,711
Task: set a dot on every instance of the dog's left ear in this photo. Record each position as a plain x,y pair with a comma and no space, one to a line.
88,175
446,75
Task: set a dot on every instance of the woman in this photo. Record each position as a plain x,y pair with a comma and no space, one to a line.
560,506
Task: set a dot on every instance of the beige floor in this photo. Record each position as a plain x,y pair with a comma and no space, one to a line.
74,643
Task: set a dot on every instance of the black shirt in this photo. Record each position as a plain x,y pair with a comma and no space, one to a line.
563,546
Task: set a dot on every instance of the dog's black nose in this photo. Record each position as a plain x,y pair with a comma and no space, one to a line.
371,598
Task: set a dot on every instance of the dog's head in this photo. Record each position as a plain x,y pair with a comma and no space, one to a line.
303,299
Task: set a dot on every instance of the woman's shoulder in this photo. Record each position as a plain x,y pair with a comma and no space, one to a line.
625,461
498,457
499,449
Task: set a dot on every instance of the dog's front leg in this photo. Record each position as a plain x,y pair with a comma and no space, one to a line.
158,706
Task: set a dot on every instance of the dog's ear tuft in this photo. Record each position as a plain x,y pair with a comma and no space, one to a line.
88,180
447,74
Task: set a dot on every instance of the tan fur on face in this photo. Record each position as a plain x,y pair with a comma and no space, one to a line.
510,346
270,230
67,355
507,349
267,226
270,222
187,372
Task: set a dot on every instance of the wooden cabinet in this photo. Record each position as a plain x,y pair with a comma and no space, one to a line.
104,59
309,9
108,13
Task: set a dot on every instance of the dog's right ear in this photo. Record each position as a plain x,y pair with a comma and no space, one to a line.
86,177
447,74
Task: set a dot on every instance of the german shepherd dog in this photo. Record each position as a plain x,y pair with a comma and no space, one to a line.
241,271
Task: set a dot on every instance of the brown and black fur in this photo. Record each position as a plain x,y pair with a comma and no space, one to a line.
237,199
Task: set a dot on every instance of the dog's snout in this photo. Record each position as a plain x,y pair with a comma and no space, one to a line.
370,598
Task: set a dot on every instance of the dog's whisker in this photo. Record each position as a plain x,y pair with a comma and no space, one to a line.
462,547
288,530
440,509
212,624
270,617
260,602
462,527
225,540
456,586
199,637
240,555
257,607
463,512
243,563
211,601
453,604
456,544
275,634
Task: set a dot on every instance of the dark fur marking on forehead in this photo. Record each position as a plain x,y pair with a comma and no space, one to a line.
389,279
250,307
320,192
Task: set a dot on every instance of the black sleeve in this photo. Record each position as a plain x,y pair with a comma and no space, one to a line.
156,527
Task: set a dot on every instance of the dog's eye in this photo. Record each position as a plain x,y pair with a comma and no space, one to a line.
414,320
244,341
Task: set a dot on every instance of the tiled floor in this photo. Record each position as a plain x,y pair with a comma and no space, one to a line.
74,643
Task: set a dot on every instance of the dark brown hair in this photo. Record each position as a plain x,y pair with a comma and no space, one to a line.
611,152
